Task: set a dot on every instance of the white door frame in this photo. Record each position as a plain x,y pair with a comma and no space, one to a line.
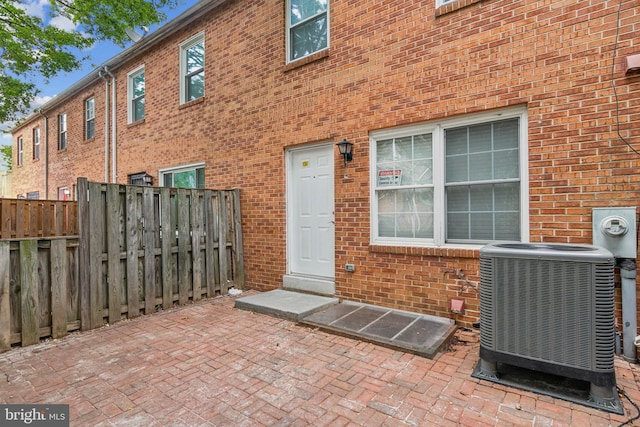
324,285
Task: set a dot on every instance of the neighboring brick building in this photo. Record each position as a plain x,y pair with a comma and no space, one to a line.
471,121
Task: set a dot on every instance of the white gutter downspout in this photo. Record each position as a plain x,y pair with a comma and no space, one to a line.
114,163
106,124
45,152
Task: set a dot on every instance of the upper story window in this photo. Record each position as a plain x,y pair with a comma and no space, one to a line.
89,118
443,2
454,182
136,92
188,176
192,69
20,150
307,27
36,143
62,131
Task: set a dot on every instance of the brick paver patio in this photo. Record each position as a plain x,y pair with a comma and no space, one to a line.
211,364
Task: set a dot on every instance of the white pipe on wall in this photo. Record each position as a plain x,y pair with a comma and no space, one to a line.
106,124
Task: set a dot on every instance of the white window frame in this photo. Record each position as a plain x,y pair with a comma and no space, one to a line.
178,169
89,118
184,47
36,143
62,131
443,2
437,129
20,150
290,27
131,92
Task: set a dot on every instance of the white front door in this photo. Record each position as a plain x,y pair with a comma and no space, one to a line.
311,230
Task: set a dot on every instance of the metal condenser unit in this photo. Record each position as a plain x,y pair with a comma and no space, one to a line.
549,308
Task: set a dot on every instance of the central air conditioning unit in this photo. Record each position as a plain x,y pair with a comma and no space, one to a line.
550,308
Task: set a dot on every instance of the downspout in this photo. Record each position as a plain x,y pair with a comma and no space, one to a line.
45,152
114,163
629,310
106,124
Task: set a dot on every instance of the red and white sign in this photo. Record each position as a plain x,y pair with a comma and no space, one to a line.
389,177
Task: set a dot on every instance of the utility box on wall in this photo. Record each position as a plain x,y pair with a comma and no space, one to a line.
615,229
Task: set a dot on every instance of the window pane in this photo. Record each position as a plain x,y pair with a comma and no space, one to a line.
482,226
195,58
200,178
457,169
507,164
384,151
303,9
480,138
508,226
507,197
457,226
167,179
481,198
195,86
185,179
309,37
138,85
480,167
138,109
505,134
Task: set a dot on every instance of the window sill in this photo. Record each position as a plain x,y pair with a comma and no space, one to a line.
136,123
453,6
433,251
307,60
192,103
93,138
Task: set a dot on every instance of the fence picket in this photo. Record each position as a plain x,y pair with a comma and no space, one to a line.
5,297
223,234
196,235
29,291
168,236
59,289
149,251
132,242
183,240
114,285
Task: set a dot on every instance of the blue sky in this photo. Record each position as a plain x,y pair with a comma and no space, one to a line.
98,54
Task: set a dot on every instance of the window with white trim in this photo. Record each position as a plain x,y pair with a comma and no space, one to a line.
192,69
136,94
89,118
187,176
20,150
62,131
307,27
36,143
455,182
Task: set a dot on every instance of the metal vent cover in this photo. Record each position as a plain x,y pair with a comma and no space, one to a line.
549,303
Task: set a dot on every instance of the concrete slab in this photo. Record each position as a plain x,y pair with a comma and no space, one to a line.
285,304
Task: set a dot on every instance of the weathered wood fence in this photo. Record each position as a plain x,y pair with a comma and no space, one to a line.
139,250
20,218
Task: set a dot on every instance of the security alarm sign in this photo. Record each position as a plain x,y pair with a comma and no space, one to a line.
389,177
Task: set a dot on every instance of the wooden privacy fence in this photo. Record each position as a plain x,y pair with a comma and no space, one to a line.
139,250
20,218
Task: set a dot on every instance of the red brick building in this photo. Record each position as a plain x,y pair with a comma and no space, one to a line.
471,121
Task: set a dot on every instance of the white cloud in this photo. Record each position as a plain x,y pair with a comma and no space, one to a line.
34,8
63,23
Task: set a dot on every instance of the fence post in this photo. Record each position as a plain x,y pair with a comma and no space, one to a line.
5,298
237,240
83,254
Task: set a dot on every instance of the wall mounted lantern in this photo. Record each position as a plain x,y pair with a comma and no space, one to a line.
346,148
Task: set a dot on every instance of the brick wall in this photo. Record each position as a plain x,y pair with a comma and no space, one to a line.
390,63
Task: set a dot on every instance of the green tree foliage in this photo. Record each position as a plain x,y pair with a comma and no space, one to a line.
29,47
5,154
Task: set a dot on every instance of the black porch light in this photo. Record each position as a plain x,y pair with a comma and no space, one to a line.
346,148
